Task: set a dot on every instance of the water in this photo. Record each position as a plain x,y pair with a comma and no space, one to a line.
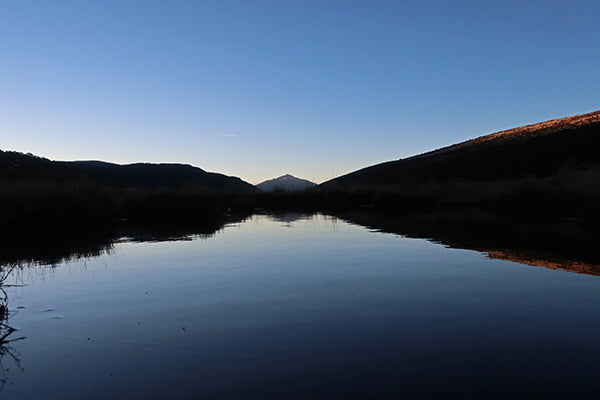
299,307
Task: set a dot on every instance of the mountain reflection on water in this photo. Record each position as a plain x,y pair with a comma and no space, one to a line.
70,246
291,304
19,253
562,245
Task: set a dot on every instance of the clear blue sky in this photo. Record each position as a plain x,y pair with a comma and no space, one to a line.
257,89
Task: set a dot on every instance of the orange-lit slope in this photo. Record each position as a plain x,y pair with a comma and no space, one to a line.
534,150
562,125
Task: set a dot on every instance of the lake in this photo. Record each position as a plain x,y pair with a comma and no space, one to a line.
301,306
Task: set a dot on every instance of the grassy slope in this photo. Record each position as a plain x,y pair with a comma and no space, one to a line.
534,150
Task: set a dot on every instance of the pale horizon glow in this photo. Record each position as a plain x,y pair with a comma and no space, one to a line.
267,88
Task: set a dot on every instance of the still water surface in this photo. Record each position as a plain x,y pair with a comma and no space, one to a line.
300,307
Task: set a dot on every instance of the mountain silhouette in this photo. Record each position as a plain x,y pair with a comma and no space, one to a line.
285,183
16,167
537,150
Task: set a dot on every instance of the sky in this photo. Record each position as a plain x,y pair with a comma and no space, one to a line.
258,89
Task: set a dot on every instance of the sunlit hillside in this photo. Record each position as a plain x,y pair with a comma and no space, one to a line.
540,149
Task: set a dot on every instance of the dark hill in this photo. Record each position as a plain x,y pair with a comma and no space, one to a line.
160,175
536,150
15,167
44,198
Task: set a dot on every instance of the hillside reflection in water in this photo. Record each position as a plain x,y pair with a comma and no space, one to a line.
298,306
565,245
